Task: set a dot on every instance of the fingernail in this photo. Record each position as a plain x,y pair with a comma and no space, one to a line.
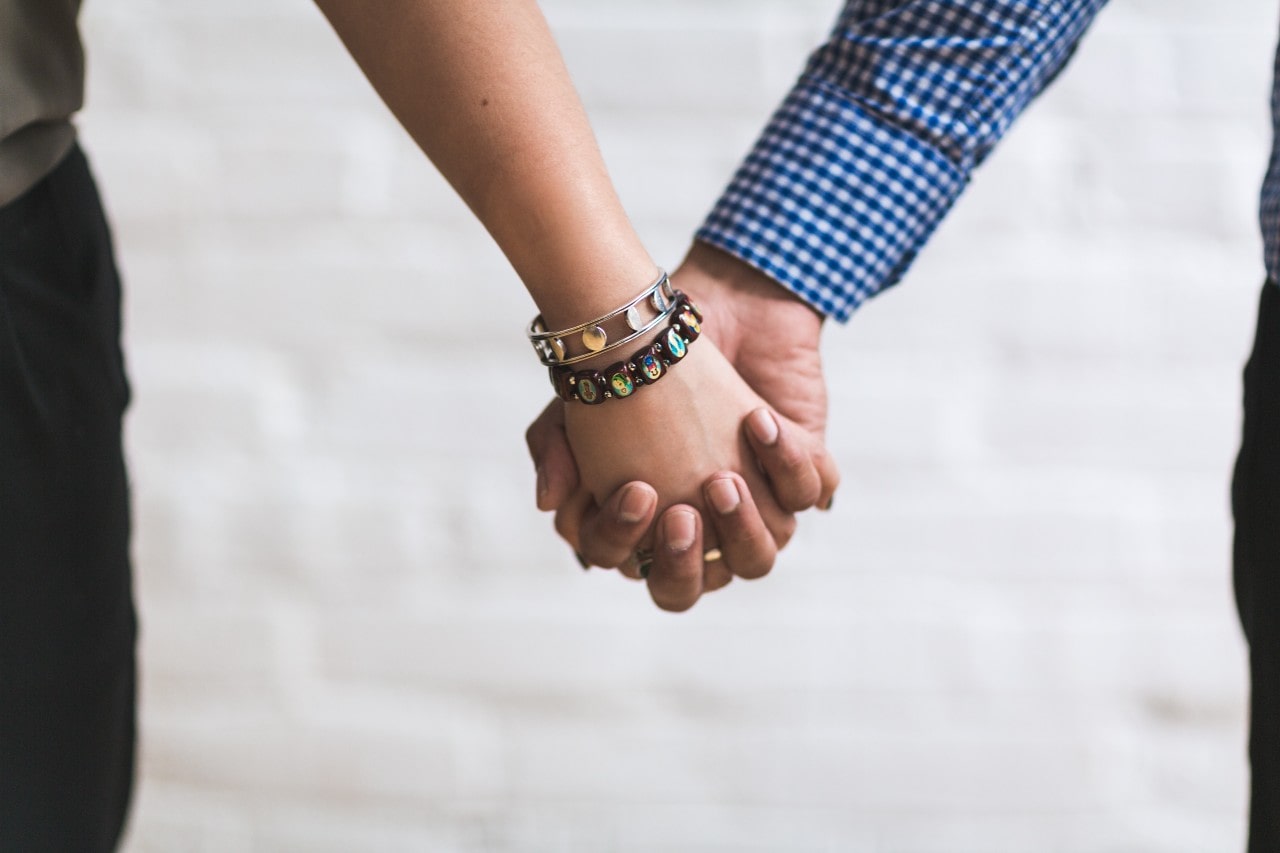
582,561
542,484
763,426
634,505
831,501
679,528
723,494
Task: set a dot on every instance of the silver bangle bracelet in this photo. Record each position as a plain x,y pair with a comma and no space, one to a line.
561,347
638,333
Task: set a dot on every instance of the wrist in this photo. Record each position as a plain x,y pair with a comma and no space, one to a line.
663,342
599,283
662,436
585,344
740,300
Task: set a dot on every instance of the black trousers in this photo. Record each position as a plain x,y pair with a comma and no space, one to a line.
67,676
1255,499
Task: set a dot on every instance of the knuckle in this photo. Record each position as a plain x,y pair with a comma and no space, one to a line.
599,549
567,528
801,493
760,564
750,553
609,540
795,479
753,563
601,554
751,570
791,459
783,529
718,582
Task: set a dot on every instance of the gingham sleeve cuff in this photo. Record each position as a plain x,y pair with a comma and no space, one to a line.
833,201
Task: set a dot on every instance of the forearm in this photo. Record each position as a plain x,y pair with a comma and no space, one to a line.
482,89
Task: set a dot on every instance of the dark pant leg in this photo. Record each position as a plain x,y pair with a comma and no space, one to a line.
1255,495
66,612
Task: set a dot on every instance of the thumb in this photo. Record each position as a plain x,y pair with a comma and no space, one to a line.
801,472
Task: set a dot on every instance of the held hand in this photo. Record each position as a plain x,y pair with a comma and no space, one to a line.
682,433
671,434
674,436
772,338
607,534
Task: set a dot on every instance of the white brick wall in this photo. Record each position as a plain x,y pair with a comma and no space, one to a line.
1014,633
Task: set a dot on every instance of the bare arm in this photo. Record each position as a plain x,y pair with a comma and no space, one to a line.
483,91
481,87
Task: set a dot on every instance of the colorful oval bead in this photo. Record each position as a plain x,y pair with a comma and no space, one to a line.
590,387
693,308
649,366
691,325
620,380
676,347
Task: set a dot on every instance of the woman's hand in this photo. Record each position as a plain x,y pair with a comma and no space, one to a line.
680,444
671,434
674,436
771,338
607,533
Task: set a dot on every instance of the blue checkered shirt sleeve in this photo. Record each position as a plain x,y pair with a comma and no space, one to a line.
880,135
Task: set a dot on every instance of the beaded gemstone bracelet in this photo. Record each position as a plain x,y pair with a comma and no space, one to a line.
645,367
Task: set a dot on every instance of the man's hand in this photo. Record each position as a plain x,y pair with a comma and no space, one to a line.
766,332
771,338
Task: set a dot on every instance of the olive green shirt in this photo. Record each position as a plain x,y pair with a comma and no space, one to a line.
41,87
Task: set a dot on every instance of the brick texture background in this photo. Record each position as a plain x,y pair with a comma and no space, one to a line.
1015,631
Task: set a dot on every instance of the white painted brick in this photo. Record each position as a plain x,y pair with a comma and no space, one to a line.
1014,631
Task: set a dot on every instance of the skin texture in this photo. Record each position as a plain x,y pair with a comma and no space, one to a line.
771,337
768,335
482,89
